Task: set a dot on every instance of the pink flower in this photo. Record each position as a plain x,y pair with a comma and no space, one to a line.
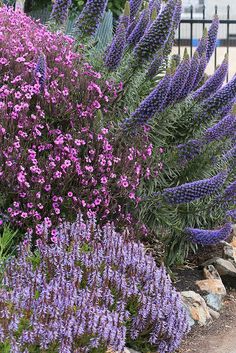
104,180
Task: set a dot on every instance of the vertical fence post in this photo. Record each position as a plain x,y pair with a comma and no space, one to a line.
191,30
228,23
203,16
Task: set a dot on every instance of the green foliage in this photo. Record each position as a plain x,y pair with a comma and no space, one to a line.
7,241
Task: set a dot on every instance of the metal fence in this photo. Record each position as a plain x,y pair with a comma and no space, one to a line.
191,29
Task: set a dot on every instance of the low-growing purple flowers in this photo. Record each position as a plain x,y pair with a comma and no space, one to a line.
209,237
82,292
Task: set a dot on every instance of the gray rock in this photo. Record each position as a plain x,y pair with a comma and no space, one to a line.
210,272
214,314
214,301
229,253
196,307
224,267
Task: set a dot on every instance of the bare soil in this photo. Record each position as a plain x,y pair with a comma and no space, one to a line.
217,337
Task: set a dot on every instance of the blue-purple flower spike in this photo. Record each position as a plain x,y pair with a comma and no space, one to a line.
201,71
202,46
224,128
140,28
156,35
175,24
135,6
41,71
154,103
189,192
209,237
212,37
89,19
179,80
193,72
213,83
231,214
155,64
60,10
221,98
115,52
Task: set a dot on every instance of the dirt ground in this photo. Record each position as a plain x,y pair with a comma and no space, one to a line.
217,337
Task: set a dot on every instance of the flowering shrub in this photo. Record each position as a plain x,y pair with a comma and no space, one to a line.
88,291
57,154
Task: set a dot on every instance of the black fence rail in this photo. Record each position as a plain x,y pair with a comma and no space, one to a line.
187,37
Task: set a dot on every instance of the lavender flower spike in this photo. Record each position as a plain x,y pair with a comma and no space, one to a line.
60,10
155,64
157,34
209,237
125,18
201,70
155,102
88,21
212,37
115,53
213,83
140,28
202,46
41,71
135,6
175,25
193,72
179,80
230,192
189,192
224,128
155,5
221,98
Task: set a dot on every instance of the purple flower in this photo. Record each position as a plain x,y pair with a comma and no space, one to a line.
179,80
221,98
155,102
200,72
175,24
230,192
189,150
88,21
155,5
155,64
125,18
202,46
189,192
213,83
224,128
135,6
115,52
41,71
193,72
209,237
140,28
60,10
212,37
82,287
156,35
230,156
232,214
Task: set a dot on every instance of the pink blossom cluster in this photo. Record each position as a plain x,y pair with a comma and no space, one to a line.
56,157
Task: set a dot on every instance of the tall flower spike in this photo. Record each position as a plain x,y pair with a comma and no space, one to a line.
135,6
155,5
209,237
140,28
201,70
224,128
202,46
115,52
212,37
221,98
176,21
179,80
231,214
193,71
89,19
213,83
230,192
60,10
193,191
154,103
156,35
125,18
155,64
41,71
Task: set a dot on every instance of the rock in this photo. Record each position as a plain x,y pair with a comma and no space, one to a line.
214,301
214,314
196,307
212,286
229,253
233,242
210,272
224,267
